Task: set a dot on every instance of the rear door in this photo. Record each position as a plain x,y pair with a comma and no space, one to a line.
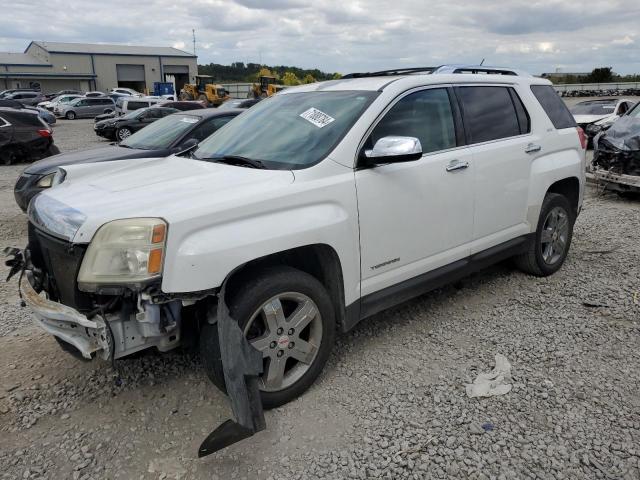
415,216
498,132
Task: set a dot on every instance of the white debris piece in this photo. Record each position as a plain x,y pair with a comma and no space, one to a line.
493,383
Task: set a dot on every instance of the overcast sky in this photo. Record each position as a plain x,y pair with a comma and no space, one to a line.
348,35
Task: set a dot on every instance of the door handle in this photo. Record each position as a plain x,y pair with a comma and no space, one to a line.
532,148
456,165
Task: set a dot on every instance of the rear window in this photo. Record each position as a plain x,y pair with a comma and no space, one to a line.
553,105
23,119
489,113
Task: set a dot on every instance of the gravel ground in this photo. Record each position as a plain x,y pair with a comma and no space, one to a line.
391,402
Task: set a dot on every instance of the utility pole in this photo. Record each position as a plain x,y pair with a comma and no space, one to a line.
193,31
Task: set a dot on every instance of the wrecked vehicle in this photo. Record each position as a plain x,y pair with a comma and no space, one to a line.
594,116
616,156
311,211
24,136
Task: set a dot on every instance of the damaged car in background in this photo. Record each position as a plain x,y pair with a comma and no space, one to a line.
594,116
616,156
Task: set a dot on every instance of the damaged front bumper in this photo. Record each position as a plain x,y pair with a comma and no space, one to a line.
617,182
87,336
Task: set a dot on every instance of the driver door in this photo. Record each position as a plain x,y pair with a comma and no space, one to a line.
416,216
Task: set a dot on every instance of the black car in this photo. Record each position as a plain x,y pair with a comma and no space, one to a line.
119,128
173,134
23,136
182,105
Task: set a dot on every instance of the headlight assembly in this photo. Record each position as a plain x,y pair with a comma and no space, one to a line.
124,252
46,181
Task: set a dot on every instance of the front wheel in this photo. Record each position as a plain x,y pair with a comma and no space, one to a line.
548,249
70,115
288,316
123,133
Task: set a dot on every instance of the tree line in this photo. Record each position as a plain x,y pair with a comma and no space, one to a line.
250,72
597,75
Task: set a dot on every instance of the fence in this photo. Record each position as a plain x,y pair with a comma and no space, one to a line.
577,87
238,90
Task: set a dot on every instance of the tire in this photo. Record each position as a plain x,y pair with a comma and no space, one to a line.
9,156
246,305
123,133
545,256
70,115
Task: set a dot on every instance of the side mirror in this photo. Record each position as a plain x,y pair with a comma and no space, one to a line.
393,149
189,144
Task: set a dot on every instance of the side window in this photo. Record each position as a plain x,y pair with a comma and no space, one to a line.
81,103
425,115
523,116
488,113
207,128
153,113
136,105
553,105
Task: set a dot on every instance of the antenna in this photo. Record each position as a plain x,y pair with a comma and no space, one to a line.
481,63
194,40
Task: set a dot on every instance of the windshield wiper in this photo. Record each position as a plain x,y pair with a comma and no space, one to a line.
239,160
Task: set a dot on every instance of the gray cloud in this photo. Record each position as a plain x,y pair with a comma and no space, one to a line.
349,35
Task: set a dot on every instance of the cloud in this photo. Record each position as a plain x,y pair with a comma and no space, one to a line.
350,35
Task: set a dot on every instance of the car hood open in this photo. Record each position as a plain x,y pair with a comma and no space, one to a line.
173,188
102,154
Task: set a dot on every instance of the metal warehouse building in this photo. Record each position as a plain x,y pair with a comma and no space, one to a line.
56,66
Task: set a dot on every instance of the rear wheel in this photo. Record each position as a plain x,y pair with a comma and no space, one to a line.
123,133
70,115
548,250
288,316
8,156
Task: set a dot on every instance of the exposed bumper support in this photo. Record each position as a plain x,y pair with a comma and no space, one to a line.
242,364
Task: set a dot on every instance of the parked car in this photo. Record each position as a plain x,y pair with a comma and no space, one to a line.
51,104
50,96
119,128
84,107
182,105
128,104
26,98
94,94
5,93
306,214
170,135
240,103
47,116
24,137
595,115
616,156
126,91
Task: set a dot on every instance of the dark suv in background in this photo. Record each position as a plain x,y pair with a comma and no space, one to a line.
24,136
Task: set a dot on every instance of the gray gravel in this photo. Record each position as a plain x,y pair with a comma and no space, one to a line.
391,401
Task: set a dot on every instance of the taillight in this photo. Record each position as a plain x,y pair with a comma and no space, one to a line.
582,137
44,133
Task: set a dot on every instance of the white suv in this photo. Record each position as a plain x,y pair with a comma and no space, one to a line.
313,210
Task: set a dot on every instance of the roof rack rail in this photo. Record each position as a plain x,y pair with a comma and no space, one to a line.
442,69
387,73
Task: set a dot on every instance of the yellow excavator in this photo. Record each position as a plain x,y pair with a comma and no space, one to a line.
205,90
266,87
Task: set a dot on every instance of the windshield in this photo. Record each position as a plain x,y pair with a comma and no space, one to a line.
289,131
161,133
594,108
133,114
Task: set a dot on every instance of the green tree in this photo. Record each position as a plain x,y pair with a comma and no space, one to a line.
308,78
290,78
600,75
336,76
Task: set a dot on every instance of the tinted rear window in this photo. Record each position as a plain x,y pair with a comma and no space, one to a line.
553,105
489,113
23,119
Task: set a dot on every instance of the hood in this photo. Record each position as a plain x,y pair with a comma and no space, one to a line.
103,154
624,134
173,188
582,119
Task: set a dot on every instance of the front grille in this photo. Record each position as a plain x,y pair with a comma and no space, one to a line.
60,262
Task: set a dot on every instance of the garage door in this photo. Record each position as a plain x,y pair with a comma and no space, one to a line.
173,69
130,73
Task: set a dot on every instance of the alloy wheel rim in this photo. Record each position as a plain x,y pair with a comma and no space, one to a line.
124,133
287,330
555,233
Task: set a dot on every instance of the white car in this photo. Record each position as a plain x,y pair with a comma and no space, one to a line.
594,116
126,91
52,104
311,211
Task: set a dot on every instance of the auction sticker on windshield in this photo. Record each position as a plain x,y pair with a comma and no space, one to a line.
318,118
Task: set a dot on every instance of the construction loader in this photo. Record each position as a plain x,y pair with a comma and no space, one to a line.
205,90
